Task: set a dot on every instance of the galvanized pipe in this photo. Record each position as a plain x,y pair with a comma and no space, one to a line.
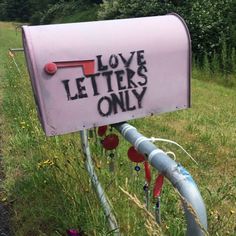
194,208
114,228
16,49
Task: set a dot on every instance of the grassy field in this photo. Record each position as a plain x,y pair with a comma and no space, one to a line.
46,182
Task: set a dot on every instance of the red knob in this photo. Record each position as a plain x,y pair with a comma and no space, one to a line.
50,68
110,142
135,156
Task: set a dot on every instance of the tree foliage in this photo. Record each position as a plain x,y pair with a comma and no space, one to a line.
37,11
211,22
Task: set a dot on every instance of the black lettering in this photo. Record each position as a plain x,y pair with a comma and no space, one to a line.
127,62
113,61
141,71
119,77
130,75
128,102
107,75
140,58
101,67
109,106
94,83
139,96
81,88
118,101
67,88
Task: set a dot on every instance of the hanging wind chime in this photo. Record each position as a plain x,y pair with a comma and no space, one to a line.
137,158
109,142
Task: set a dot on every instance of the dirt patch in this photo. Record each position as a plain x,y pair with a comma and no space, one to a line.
4,208
4,221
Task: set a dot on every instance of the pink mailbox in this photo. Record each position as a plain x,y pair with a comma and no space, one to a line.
96,73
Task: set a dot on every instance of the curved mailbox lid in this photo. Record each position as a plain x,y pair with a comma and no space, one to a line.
91,74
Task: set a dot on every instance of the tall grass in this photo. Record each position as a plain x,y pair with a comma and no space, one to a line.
46,179
219,67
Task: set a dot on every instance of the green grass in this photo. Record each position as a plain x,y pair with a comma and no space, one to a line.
206,73
47,184
9,37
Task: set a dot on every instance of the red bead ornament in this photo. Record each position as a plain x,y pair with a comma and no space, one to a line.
110,142
50,68
158,186
102,130
148,175
135,156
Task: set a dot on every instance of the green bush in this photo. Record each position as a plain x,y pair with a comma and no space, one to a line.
210,22
54,10
67,9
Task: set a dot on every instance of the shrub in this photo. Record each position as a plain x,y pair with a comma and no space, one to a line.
208,21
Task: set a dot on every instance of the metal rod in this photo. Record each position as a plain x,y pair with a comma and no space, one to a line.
158,210
194,208
114,228
16,49
147,196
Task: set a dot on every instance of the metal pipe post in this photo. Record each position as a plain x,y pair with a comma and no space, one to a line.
114,228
